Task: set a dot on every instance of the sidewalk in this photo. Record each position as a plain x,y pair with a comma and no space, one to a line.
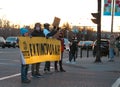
88,63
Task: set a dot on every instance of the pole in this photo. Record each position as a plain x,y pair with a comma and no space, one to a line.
98,56
113,8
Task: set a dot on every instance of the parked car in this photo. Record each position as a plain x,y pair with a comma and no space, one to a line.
118,42
80,43
104,47
2,42
11,41
66,44
85,44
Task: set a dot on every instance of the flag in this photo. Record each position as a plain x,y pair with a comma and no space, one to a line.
107,7
117,8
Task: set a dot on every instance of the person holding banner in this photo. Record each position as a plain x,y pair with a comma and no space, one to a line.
37,32
24,67
48,34
62,50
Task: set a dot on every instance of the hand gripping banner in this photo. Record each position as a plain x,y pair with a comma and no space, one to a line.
39,49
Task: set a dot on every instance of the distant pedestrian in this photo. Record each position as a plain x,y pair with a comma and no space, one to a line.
73,48
24,67
37,32
111,48
76,51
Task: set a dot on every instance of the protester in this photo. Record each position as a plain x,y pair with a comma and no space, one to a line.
73,49
62,50
48,34
111,48
76,51
37,32
24,67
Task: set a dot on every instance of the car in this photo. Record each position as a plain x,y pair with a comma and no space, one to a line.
104,47
2,42
85,44
66,44
118,42
80,43
12,41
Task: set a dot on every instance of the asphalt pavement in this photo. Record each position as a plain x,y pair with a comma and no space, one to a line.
82,73
89,63
104,66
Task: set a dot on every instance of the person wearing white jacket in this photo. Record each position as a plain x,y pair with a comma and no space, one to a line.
24,67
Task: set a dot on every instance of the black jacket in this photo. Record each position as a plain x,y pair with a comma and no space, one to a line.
36,33
73,47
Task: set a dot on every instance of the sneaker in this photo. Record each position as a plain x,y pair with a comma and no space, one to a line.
73,62
37,76
56,70
47,72
68,62
62,70
26,81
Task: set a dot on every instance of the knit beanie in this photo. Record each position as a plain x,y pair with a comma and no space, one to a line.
23,31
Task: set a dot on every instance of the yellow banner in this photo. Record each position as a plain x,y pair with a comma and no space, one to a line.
39,49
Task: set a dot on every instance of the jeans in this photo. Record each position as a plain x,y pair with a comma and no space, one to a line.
24,72
111,53
35,68
60,63
47,66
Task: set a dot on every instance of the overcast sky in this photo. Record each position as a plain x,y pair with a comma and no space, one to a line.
76,12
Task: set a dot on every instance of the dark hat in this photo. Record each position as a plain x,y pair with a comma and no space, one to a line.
46,24
37,24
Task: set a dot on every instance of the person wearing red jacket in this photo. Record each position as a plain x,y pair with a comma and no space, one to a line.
62,50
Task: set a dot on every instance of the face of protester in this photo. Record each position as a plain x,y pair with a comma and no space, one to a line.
26,34
38,27
47,27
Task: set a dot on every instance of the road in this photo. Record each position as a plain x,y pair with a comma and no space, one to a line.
84,73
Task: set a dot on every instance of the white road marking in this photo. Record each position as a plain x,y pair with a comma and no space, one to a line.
11,76
117,83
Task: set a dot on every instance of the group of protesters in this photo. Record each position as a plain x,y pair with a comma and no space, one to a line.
39,32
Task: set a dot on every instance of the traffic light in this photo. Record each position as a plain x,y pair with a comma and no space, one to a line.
96,18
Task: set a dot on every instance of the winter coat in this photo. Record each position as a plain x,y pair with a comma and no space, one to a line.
36,33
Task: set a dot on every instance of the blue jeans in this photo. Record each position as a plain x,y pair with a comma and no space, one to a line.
24,72
111,53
